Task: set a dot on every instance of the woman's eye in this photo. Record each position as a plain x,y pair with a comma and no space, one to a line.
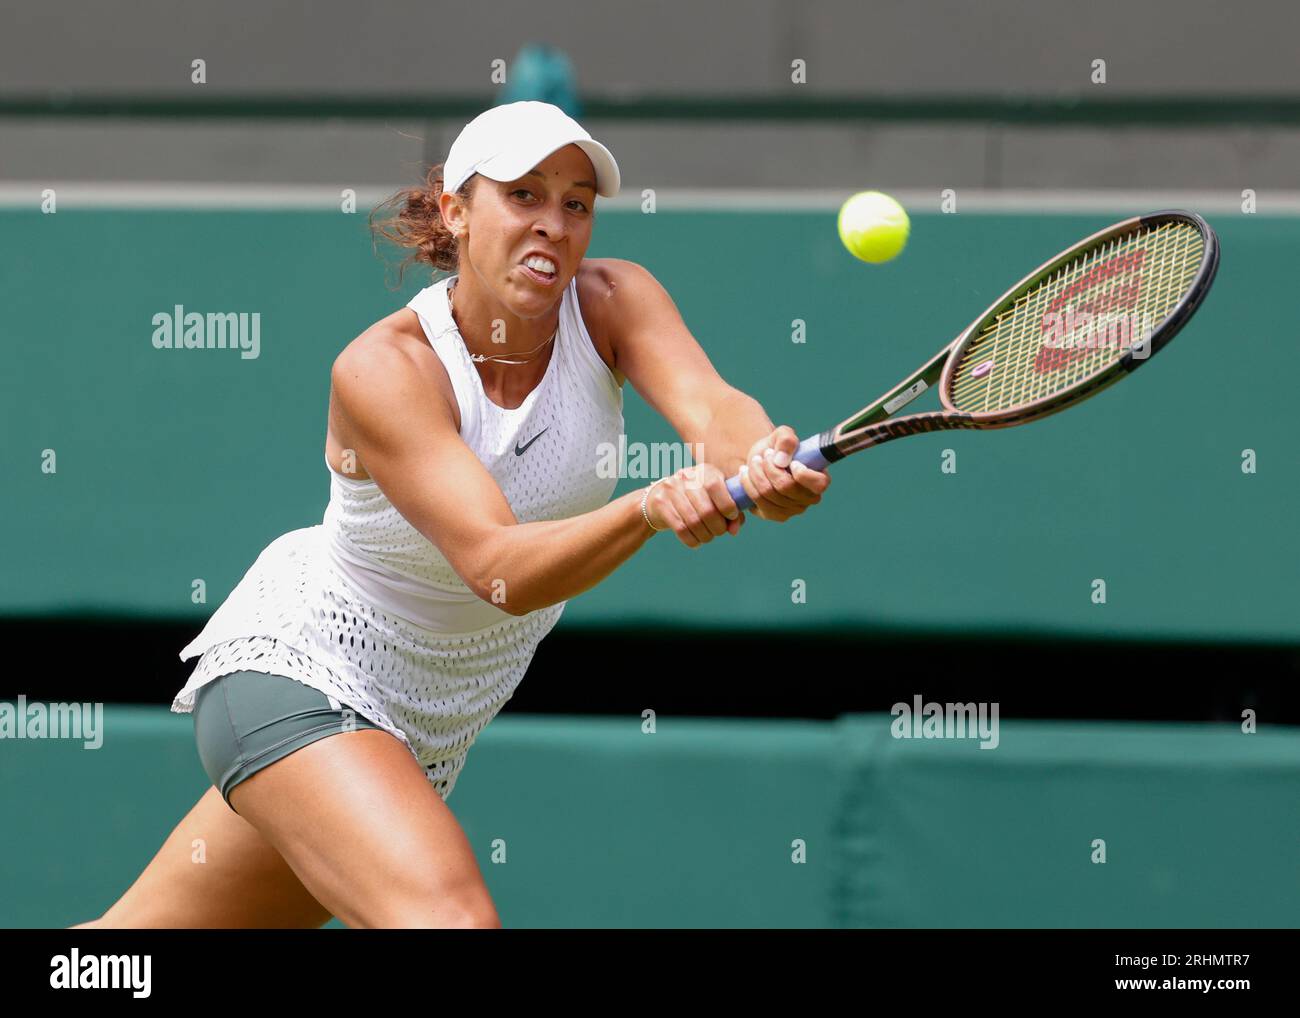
528,193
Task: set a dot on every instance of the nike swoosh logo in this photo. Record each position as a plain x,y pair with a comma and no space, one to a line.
521,449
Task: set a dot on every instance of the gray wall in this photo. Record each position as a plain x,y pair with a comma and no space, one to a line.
677,46
891,156
403,48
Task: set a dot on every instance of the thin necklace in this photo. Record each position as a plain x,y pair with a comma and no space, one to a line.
479,358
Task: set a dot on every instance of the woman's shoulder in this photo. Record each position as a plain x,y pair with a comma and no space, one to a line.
604,285
394,343
603,278
391,358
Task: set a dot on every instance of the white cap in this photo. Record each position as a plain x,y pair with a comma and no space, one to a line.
505,142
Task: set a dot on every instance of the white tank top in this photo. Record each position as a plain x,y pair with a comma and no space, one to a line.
366,609
543,454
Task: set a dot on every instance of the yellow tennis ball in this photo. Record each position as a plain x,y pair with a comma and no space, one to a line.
873,226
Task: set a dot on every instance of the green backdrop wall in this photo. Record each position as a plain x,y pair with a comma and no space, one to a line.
176,465
752,824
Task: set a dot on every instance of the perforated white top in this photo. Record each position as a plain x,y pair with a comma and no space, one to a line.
366,609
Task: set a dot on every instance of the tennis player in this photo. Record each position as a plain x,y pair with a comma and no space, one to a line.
340,686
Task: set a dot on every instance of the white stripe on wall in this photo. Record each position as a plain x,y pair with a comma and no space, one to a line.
257,196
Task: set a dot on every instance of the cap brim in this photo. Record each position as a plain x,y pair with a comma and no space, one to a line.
511,165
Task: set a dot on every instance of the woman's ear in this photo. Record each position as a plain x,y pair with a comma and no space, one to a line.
452,210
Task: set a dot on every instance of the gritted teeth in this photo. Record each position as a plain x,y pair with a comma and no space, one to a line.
539,264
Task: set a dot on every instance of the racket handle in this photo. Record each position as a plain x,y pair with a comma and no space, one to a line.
809,454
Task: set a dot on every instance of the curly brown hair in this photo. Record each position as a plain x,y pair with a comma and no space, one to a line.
410,219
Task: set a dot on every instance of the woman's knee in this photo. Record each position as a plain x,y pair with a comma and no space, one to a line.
473,912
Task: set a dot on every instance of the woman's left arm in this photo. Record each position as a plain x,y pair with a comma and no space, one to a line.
655,350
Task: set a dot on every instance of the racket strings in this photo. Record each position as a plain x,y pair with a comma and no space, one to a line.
1079,319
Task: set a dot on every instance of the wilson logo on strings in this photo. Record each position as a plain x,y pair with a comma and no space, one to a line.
1097,310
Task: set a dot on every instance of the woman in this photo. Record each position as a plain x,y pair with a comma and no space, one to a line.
342,682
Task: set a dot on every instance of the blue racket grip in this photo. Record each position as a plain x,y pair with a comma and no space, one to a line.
809,454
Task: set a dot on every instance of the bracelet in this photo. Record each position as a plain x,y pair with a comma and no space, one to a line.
644,514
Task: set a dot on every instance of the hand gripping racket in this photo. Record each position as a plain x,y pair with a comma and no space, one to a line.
1074,325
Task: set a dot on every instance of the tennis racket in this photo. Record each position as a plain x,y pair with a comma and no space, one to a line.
1070,328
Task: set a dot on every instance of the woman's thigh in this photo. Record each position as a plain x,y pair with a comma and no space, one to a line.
358,821
216,871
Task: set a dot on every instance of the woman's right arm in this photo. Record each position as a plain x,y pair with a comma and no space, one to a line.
389,397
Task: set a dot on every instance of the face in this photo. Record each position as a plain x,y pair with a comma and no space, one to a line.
548,212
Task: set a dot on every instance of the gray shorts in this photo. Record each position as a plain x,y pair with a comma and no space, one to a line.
245,721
